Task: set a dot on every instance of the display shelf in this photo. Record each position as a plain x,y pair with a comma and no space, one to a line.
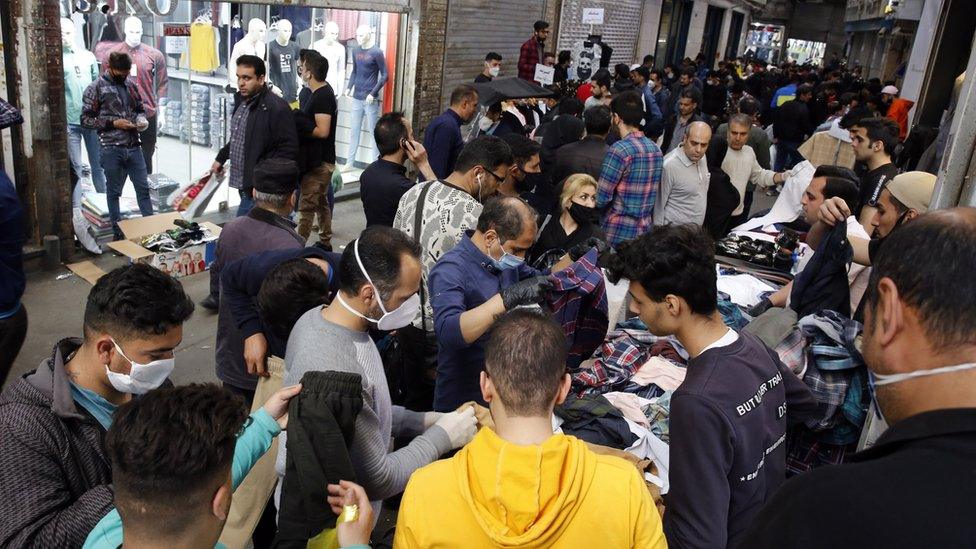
198,78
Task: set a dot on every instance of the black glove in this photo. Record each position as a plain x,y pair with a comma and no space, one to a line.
581,249
759,308
526,292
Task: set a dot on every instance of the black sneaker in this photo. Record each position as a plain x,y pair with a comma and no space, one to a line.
210,303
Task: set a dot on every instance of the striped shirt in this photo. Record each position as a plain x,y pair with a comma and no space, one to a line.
629,182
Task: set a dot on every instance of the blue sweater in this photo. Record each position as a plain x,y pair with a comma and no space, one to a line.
11,248
463,279
368,72
443,142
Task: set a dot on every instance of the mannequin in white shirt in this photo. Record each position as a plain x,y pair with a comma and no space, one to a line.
252,44
335,54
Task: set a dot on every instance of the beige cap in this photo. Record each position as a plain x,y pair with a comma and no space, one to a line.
913,189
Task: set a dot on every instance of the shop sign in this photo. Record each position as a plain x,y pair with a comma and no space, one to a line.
157,7
544,75
177,36
592,16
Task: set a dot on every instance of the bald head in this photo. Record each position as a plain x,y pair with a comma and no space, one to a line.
696,140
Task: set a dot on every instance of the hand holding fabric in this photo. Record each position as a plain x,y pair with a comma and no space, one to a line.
581,249
530,291
460,427
277,404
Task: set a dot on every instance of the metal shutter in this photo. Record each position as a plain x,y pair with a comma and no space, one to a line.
621,23
476,27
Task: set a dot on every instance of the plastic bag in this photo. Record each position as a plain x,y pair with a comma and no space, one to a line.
192,199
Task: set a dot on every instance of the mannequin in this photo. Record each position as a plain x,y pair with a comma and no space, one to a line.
335,53
80,70
283,62
365,82
149,73
251,44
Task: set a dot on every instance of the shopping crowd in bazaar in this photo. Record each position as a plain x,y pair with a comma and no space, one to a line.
564,325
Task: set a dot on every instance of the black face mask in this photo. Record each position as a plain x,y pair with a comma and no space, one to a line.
119,79
529,182
584,215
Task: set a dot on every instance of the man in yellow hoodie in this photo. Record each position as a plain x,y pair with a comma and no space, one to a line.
520,485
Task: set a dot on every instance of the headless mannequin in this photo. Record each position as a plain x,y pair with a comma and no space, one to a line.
251,44
335,54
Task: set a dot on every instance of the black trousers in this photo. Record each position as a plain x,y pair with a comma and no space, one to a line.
148,139
321,424
415,374
737,220
13,332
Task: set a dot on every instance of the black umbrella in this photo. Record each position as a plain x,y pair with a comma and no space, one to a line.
504,89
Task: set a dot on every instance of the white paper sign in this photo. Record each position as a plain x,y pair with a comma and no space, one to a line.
592,16
177,44
544,74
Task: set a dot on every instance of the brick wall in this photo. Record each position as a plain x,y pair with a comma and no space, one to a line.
430,63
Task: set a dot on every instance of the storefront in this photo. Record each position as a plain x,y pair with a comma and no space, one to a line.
184,56
805,52
600,33
765,42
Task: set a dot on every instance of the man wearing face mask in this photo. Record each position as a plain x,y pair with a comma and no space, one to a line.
379,280
920,351
524,174
482,277
436,214
53,420
113,106
493,66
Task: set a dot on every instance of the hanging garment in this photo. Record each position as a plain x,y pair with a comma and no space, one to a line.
579,303
321,424
203,48
822,285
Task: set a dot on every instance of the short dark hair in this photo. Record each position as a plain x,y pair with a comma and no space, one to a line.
880,129
136,300
927,259
648,59
120,61
671,259
803,90
304,54
464,92
691,93
507,215
318,67
829,170
523,148
257,64
390,130
170,450
658,72
540,25
597,120
525,357
487,151
628,107
492,56
689,72
565,56
748,106
289,290
843,188
571,105
602,78
381,250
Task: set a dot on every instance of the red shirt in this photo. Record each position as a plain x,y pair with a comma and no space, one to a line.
584,92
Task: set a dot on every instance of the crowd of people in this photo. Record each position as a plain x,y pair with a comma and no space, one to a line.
433,365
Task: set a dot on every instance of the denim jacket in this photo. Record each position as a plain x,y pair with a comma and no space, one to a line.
103,104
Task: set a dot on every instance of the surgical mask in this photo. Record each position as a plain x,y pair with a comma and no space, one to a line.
485,123
584,214
391,320
878,380
141,378
493,71
506,261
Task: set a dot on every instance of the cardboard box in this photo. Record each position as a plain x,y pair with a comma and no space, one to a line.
183,262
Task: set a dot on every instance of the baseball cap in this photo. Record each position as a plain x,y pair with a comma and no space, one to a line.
634,67
913,189
276,176
890,89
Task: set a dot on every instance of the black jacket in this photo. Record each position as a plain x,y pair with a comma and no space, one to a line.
792,121
913,488
669,128
822,284
270,133
584,156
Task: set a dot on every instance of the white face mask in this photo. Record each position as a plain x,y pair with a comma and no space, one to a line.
493,71
887,379
141,378
391,320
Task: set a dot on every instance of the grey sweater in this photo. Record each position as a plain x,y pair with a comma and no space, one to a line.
318,345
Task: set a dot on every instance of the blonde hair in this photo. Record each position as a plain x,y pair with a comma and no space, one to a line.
573,185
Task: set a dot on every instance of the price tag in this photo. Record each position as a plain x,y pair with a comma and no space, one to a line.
543,74
592,16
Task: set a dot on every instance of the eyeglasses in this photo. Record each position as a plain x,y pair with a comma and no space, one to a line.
500,180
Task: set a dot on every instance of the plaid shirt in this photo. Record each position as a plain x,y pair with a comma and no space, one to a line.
529,58
579,303
629,180
238,133
622,354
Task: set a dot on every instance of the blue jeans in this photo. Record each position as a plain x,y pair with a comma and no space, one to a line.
75,134
247,203
119,163
356,127
787,155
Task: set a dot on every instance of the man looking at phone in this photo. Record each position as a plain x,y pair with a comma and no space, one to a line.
384,181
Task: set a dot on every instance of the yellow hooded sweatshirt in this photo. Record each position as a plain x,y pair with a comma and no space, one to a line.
558,494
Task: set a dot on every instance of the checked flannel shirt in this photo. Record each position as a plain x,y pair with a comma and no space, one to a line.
579,303
529,57
622,354
629,181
